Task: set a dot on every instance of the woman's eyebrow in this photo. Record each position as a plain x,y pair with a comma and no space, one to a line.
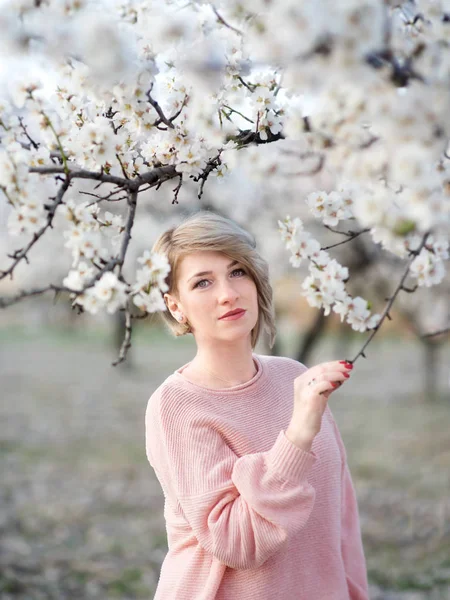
235,262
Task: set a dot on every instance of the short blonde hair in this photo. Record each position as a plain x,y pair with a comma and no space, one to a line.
205,230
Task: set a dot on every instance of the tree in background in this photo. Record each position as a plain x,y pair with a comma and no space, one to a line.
110,106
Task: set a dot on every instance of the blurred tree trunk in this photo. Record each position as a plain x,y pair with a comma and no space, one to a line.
431,348
430,391
311,337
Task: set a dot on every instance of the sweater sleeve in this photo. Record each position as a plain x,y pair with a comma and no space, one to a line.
351,540
241,509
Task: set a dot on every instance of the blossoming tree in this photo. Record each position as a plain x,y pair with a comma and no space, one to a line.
110,99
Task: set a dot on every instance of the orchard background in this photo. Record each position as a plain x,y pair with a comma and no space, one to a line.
323,129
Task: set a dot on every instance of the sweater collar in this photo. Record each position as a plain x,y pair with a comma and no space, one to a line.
177,374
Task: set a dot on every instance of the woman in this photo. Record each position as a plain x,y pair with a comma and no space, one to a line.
259,501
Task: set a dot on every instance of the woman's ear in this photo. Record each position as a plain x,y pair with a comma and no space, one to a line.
171,303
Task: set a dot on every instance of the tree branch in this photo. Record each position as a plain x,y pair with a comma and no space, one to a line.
212,164
126,344
27,135
222,20
156,106
250,86
348,233
248,137
351,237
153,177
81,174
107,198
4,302
391,299
132,202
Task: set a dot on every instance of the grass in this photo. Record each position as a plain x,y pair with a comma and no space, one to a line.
425,581
56,335
128,584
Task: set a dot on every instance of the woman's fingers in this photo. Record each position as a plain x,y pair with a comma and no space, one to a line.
330,376
337,376
328,381
324,387
325,369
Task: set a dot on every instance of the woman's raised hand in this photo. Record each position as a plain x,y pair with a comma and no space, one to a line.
311,392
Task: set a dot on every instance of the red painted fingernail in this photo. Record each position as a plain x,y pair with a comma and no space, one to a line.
334,383
346,364
346,375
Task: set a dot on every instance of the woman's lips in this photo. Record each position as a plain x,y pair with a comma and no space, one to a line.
233,317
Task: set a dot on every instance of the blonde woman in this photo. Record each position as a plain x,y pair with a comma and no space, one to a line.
259,500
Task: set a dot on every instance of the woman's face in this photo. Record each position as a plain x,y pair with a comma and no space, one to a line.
205,298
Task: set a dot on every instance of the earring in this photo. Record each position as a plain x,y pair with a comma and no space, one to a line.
180,317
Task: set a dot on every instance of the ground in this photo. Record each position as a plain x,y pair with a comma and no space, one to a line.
81,512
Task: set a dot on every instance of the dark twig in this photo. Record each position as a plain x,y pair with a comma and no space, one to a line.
178,113
177,190
125,174
212,164
132,203
349,239
250,86
171,119
348,233
391,299
107,198
222,20
232,110
156,106
410,290
27,135
126,344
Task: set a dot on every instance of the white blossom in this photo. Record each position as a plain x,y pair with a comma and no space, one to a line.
151,302
77,278
25,220
108,293
427,268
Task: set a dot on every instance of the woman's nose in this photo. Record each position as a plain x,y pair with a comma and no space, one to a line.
228,291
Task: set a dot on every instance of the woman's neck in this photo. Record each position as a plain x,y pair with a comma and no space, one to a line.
222,369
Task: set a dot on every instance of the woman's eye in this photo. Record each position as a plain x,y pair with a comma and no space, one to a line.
202,280
199,282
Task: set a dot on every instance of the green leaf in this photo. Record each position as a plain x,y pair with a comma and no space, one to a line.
404,227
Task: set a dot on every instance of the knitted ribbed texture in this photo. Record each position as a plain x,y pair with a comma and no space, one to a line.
249,515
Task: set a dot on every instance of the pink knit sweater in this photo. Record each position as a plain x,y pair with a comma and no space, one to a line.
249,515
